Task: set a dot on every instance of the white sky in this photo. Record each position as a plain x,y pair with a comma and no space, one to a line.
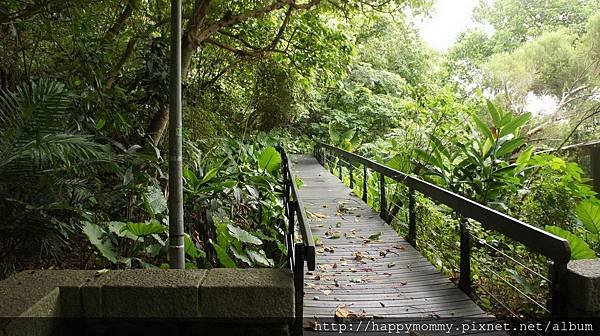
449,19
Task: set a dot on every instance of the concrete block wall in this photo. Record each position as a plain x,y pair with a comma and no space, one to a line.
149,302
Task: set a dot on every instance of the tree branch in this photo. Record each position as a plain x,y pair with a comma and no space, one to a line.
120,21
231,20
114,71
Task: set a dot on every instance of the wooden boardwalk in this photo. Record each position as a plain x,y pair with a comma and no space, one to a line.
382,276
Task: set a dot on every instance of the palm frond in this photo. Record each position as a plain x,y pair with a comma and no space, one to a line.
51,152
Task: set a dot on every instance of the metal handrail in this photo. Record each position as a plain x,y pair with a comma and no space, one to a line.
300,212
298,253
553,247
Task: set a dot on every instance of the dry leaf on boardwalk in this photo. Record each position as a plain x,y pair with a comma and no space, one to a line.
342,314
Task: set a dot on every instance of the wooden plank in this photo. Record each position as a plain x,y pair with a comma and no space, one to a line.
386,276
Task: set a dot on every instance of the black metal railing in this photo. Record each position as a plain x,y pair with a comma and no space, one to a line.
552,247
301,248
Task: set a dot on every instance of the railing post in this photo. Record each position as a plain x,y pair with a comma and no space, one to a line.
412,218
322,155
292,205
340,169
464,282
351,173
595,164
299,287
364,195
382,199
558,289
318,154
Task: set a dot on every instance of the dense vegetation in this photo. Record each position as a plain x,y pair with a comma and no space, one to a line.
83,109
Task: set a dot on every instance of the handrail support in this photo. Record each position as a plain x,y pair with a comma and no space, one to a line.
464,281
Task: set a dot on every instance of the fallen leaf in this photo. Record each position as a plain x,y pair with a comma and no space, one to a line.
374,236
341,313
100,272
358,256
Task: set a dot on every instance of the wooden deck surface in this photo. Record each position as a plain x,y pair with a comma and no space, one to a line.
382,277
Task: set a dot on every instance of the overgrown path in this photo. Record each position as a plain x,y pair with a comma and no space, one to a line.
364,268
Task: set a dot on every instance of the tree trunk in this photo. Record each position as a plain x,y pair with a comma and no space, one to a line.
158,124
159,121
189,45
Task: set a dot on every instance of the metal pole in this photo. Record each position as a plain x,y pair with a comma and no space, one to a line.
176,238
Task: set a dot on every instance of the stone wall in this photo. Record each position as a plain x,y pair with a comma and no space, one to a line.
147,302
583,284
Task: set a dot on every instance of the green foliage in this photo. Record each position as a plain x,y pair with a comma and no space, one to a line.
154,201
144,229
47,168
588,213
479,166
579,248
269,160
76,159
514,23
237,214
95,235
139,244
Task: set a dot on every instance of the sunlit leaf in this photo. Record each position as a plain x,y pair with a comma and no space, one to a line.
154,201
243,235
494,113
514,124
298,181
588,213
191,249
145,229
269,160
260,258
579,248
509,146
395,162
222,256
210,174
241,255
